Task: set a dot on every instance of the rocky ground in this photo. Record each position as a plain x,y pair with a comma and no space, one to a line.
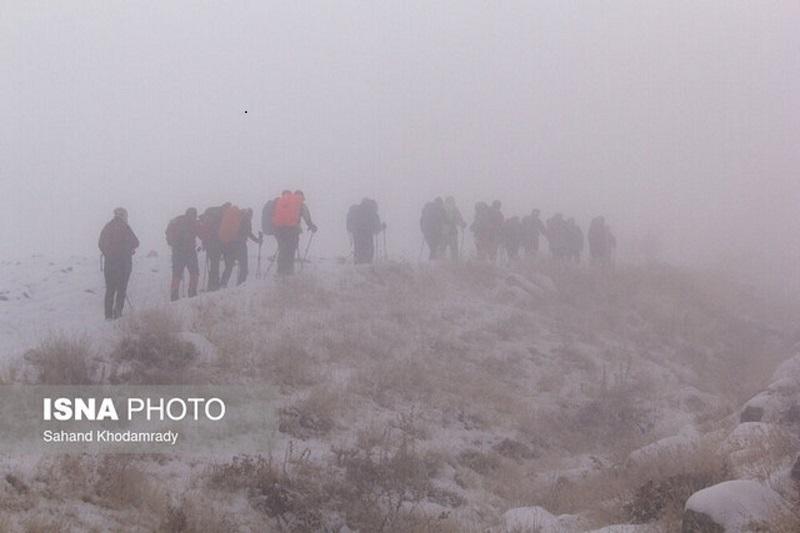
452,397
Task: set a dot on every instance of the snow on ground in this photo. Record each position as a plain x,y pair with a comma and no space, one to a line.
541,393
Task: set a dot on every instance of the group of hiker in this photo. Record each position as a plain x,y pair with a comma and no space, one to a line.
224,231
494,233
440,223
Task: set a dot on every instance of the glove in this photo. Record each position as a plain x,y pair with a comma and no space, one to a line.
313,228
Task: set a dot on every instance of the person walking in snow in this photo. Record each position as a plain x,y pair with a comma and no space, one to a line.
208,231
182,238
432,224
117,243
532,229
363,224
454,223
288,211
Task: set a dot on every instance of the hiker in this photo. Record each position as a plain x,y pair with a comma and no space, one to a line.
363,223
117,243
208,231
480,229
601,241
229,241
245,233
512,237
453,222
495,221
289,209
432,224
181,237
532,228
557,236
574,237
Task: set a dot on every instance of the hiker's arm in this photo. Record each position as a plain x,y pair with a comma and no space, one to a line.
305,214
134,241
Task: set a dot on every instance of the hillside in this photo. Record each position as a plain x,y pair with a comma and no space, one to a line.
448,397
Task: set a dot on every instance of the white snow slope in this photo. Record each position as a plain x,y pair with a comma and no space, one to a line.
433,397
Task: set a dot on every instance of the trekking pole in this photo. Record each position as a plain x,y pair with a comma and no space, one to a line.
352,247
130,303
205,272
260,242
272,262
308,246
102,268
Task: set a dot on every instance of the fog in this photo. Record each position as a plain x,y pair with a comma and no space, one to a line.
678,119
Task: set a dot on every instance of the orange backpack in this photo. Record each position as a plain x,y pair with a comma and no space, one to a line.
229,226
286,212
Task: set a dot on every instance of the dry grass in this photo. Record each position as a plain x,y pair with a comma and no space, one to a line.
151,353
63,360
651,491
520,379
197,513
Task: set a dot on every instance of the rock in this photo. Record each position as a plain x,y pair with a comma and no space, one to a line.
624,528
17,484
694,522
538,519
752,413
778,404
685,440
747,446
515,450
517,281
795,474
789,369
733,507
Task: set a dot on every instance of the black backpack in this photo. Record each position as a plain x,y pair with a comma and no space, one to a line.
173,231
266,218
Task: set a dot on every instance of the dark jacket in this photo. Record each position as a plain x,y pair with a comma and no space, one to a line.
117,239
363,219
183,230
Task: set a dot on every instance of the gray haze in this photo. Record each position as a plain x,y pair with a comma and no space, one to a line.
675,118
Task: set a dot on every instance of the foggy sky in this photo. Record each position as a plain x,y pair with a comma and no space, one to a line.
679,118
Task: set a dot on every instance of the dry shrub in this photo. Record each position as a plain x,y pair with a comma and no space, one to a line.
288,364
387,382
481,462
152,353
63,360
71,474
42,523
197,514
121,482
314,416
384,478
650,491
293,494
616,417
158,322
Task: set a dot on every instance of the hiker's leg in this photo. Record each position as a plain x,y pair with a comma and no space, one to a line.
242,259
108,273
193,265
